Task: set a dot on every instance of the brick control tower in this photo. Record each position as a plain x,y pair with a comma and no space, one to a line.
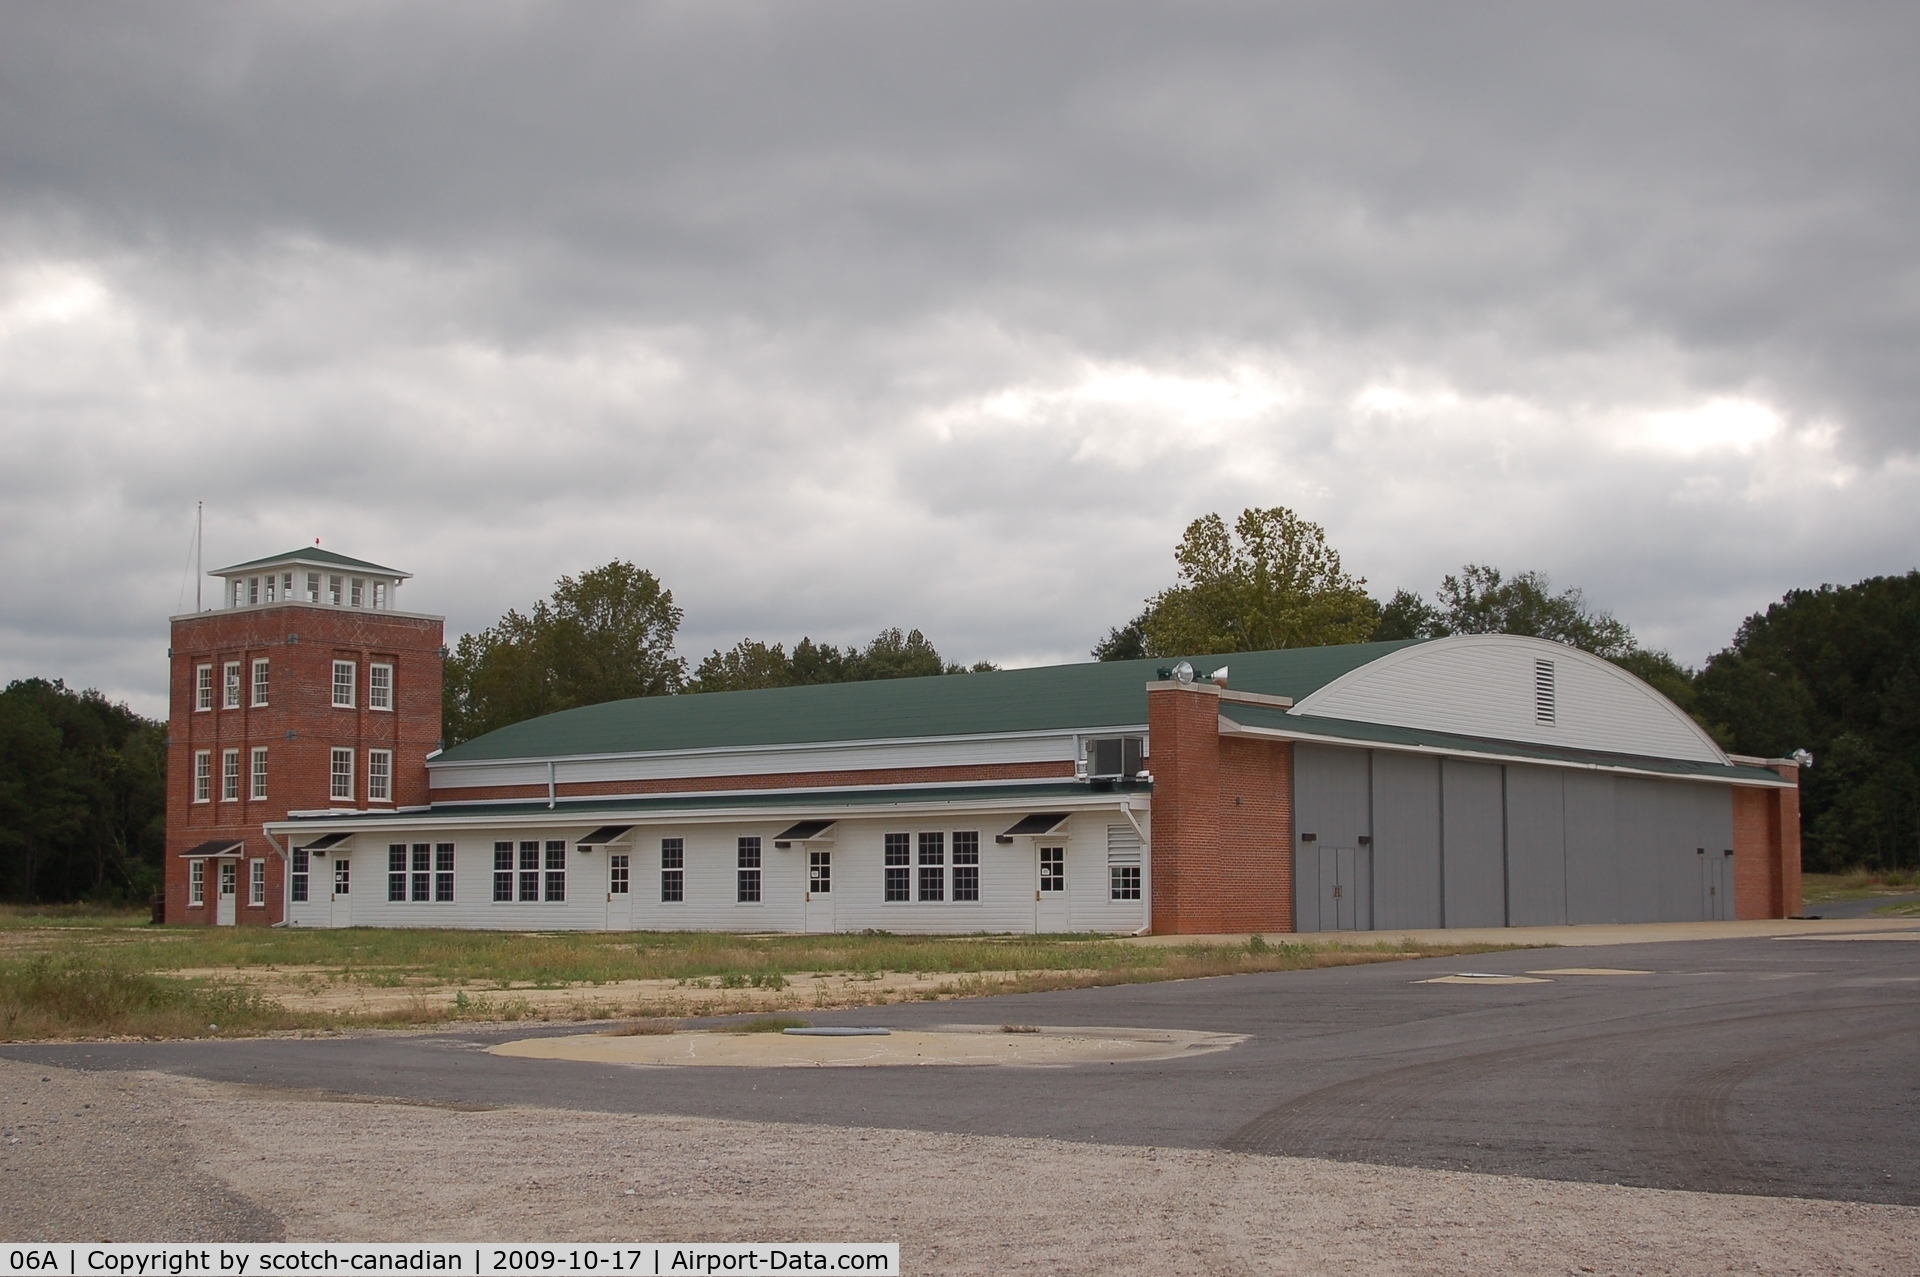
305,690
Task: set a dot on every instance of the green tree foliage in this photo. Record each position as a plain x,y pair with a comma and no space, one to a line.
1272,581
751,664
82,795
1835,671
606,635
1481,600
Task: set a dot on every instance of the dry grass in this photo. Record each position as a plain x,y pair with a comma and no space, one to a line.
1858,884
92,976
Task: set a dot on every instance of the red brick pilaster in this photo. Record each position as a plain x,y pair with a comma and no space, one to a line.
1766,848
1183,725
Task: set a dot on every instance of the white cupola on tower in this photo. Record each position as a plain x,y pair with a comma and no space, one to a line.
310,576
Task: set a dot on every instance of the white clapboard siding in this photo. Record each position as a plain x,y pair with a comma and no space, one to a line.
1008,876
1485,685
861,756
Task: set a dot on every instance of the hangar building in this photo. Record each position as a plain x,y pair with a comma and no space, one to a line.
1471,781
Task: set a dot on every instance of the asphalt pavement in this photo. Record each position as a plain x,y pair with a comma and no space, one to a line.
1777,1067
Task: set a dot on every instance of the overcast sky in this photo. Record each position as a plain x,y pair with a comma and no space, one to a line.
840,316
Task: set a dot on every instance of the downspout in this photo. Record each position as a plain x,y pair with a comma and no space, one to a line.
286,879
550,787
1146,867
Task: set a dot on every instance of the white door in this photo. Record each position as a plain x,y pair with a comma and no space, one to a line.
619,891
1050,888
820,890
342,915
223,912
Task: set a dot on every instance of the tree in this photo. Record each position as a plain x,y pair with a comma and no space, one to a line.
893,653
1270,582
1835,671
606,635
1481,601
82,795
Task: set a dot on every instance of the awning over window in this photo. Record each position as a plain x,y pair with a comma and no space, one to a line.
215,847
602,836
1040,823
325,841
804,830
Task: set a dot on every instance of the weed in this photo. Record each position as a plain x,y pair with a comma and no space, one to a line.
642,1028
1019,1028
770,1024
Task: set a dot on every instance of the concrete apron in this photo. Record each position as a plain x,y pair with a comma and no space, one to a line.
1606,934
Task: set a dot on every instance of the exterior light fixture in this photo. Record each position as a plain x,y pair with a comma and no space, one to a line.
1183,672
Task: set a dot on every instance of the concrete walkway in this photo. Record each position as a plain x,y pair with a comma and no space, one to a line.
1609,934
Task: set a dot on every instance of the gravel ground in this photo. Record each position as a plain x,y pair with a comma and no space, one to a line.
147,1156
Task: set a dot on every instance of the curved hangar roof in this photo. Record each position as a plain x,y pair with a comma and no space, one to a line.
1469,693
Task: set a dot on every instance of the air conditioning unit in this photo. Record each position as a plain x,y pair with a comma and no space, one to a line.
1115,757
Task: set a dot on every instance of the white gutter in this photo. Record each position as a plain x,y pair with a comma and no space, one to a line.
1230,728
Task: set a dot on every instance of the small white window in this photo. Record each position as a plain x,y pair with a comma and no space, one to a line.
272,593
333,590
239,593
1543,697
202,775
342,790
259,774
259,684
359,591
313,587
379,594
343,684
202,687
379,775
232,672
257,883
253,590
286,586
380,687
229,775
196,882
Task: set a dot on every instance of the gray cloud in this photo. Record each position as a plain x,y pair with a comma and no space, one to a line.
858,314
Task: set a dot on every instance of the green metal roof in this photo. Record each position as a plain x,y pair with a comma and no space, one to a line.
1032,795
1087,696
312,554
1260,716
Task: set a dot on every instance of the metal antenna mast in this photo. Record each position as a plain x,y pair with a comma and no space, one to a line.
199,527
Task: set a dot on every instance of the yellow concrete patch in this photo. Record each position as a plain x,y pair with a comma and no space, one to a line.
1464,977
1587,971
953,1044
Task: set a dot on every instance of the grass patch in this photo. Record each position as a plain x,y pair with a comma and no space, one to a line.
46,997
1911,909
770,1024
1858,884
643,1028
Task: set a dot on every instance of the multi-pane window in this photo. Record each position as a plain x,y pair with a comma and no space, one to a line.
343,684
617,871
820,873
530,870
272,594
341,876
202,776
933,867
359,590
443,873
557,869
259,684
380,687
257,878
253,590
396,871
899,867
747,889
673,870
422,872
202,687
232,675
229,879
297,880
379,594
342,790
379,775
966,864
259,773
1123,862
333,590
1053,869
502,871
313,587
1126,881
229,775
197,882
239,593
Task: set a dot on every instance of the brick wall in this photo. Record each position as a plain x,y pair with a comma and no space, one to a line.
1766,849
299,727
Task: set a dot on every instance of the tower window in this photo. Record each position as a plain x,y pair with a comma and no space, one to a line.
239,593
313,587
272,592
333,590
253,590
379,594
359,591
1543,693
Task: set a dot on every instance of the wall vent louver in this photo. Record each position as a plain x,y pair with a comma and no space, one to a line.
1543,706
